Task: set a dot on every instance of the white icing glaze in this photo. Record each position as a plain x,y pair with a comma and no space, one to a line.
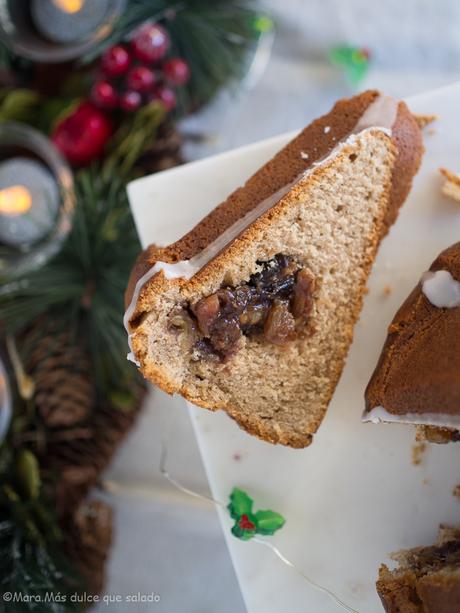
441,289
380,115
327,129
379,415
130,356
382,112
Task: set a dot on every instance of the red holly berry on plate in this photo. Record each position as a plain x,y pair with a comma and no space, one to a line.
130,101
150,43
82,136
141,79
176,71
166,96
103,94
115,61
245,523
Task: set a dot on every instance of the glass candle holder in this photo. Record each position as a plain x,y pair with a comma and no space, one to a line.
36,199
53,31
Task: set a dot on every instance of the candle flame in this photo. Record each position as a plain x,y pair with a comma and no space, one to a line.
69,6
15,200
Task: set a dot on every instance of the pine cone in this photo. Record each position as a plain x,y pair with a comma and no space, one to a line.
78,444
75,464
64,388
165,151
87,542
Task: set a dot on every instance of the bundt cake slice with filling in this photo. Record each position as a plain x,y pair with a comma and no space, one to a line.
427,579
253,311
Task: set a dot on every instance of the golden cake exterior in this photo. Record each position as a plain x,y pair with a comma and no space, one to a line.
417,379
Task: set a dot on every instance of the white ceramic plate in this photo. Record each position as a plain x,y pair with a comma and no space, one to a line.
354,495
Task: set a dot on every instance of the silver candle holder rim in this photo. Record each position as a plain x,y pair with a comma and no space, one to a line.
6,402
38,49
14,133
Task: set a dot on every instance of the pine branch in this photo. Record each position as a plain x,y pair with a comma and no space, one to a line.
136,13
33,570
214,36
228,28
133,137
81,290
31,561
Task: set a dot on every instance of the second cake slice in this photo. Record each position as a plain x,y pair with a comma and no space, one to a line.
253,310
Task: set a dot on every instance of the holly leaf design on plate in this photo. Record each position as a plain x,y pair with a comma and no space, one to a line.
240,503
268,522
248,524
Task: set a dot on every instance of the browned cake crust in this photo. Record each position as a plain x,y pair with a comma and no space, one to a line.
441,436
428,579
418,368
315,142
284,168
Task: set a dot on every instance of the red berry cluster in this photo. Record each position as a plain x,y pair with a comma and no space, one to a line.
136,74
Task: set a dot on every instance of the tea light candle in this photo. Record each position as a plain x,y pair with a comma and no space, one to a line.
29,202
67,21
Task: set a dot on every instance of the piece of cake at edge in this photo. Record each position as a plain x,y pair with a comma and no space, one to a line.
417,378
253,310
427,579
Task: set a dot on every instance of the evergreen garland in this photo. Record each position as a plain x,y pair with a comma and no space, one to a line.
214,36
81,289
79,292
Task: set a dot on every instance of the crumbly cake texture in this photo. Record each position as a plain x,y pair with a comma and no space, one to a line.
331,222
425,120
433,434
417,372
451,185
427,579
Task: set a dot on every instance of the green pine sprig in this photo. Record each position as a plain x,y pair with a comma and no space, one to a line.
31,562
81,290
213,36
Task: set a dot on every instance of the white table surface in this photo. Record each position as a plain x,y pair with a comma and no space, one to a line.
354,495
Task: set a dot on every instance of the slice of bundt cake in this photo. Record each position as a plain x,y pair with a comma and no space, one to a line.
417,378
253,311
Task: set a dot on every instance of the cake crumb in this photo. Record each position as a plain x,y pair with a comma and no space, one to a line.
236,456
387,289
456,491
424,120
431,131
425,481
304,155
418,451
327,129
451,186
